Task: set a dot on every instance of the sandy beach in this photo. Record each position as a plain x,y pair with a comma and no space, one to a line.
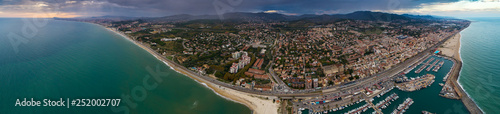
257,103
451,47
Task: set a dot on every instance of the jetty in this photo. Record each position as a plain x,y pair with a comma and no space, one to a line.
423,65
359,109
452,80
438,66
387,101
432,65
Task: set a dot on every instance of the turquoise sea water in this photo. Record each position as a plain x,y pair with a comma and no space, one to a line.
480,53
79,60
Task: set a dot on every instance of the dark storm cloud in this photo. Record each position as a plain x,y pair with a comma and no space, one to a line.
170,7
199,7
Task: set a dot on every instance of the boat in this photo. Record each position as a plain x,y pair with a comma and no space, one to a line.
408,70
403,106
426,112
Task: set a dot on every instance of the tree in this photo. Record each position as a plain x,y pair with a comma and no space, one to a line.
228,76
219,74
330,82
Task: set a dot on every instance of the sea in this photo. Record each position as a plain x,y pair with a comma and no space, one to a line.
64,60
480,54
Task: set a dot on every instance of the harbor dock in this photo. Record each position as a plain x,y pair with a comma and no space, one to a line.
416,83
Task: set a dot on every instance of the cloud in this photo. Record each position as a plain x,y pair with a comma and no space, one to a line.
321,12
201,7
41,4
60,8
70,2
273,11
460,8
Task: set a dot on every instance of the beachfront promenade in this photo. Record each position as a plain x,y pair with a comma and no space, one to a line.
381,76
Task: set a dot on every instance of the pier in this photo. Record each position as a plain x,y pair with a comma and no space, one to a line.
384,103
430,64
438,66
423,65
403,106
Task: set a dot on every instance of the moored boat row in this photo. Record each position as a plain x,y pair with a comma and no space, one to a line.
387,101
403,106
438,66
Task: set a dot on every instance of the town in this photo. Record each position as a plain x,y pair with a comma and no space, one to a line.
334,63
246,54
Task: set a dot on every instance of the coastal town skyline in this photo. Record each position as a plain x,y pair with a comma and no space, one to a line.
316,63
154,8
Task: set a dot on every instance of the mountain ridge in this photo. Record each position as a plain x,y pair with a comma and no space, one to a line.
275,17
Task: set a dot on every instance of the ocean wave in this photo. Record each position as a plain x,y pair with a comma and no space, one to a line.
461,70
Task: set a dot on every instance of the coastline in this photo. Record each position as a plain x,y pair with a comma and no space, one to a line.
257,105
451,48
260,104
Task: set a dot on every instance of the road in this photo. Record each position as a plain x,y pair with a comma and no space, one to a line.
367,100
281,85
370,80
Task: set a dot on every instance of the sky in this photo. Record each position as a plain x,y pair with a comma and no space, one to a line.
158,8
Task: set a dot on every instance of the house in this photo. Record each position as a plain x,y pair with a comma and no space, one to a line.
330,70
234,68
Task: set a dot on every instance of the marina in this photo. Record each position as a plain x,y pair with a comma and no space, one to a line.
410,69
403,106
428,65
438,66
423,96
432,65
427,99
423,65
387,101
358,110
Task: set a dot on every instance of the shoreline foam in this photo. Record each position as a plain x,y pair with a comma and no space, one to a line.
459,73
455,54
